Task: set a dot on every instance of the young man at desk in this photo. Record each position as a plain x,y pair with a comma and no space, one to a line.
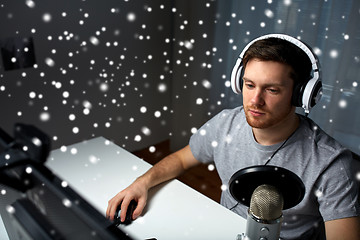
275,74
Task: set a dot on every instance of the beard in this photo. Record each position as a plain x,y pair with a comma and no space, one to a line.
268,119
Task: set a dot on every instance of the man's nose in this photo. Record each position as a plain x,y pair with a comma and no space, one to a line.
258,98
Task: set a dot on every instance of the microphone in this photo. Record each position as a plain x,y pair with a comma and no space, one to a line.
267,191
265,213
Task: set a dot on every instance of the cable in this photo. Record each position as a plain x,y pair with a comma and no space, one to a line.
279,148
234,206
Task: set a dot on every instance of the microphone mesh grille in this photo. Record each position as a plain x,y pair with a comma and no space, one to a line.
266,203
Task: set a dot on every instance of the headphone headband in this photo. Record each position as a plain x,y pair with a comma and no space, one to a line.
296,42
309,94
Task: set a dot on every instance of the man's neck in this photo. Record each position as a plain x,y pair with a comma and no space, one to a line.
277,133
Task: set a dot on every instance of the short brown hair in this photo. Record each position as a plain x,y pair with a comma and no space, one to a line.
283,51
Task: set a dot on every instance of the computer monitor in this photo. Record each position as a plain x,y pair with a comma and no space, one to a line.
35,203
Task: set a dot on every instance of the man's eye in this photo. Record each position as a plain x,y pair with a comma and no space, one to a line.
249,85
271,90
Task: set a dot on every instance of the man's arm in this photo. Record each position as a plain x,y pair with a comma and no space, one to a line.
345,228
168,168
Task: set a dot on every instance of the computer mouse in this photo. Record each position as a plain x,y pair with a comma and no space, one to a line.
129,213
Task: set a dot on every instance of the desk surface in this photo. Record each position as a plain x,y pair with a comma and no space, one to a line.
98,169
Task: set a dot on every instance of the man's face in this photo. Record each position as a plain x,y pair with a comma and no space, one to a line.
267,91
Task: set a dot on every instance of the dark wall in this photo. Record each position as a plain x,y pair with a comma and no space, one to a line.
102,69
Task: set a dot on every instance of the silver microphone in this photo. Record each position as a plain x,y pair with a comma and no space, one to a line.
264,214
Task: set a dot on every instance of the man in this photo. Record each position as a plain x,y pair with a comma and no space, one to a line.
266,130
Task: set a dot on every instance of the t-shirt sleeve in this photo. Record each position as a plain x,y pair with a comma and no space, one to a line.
337,191
203,142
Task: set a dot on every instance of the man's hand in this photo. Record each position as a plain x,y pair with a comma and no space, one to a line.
136,191
168,168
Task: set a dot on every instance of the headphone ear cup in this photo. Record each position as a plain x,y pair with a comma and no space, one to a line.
297,95
236,77
311,94
241,74
316,94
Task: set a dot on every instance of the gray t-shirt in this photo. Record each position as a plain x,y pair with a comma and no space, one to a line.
322,163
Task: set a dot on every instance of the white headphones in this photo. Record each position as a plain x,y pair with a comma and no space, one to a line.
307,95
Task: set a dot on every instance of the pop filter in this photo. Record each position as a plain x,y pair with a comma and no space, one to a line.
243,183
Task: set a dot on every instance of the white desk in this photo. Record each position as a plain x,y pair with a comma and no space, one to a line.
98,169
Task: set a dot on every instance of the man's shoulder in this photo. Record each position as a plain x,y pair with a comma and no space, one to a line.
322,141
230,117
229,113
228,120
